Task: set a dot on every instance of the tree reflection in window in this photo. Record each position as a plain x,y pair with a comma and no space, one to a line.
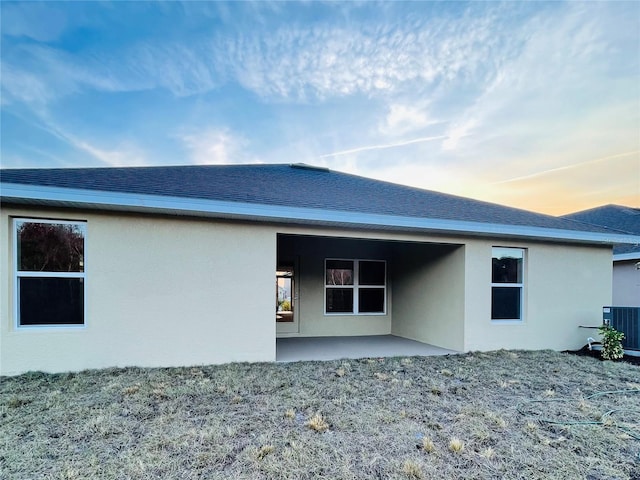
50,272
50,247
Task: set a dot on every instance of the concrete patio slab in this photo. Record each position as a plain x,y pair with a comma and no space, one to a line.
294,349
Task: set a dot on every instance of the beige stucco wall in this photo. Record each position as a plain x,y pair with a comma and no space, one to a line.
565,287
429,294
165,291
443,296
626,284
160,292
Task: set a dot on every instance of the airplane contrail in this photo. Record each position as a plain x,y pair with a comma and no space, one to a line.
566,167
383,146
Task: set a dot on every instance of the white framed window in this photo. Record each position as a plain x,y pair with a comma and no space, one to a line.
507,284
49,266
355,287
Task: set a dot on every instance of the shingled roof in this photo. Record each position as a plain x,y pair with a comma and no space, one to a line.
300,188
615,217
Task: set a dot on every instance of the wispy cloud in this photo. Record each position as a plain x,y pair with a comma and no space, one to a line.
479,98
24,86
291,62
559,70
214,146
46,74
306,64
404,118
124,154
40,21
181,69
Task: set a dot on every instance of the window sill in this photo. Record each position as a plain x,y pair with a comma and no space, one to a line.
39,328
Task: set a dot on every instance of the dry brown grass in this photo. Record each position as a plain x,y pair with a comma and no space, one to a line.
428,445
389,418
317,423
456,445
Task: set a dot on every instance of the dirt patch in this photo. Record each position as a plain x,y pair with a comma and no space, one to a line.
506,414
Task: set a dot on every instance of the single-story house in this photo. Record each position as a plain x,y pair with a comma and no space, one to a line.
186,265
626,258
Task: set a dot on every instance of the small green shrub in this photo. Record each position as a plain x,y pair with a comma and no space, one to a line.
611,342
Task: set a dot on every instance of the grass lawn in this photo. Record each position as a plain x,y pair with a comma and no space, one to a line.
462,416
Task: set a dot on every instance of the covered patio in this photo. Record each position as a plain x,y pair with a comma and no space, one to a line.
296,349
366,297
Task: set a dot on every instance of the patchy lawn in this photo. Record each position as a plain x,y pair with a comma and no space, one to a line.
466,416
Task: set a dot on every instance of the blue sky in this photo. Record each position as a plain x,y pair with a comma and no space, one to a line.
534,105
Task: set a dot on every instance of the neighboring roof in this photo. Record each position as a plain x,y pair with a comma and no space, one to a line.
617,218
292,193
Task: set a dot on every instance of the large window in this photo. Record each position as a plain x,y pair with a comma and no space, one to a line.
49,272
507,283
355,286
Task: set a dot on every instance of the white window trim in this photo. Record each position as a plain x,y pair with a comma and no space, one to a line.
512,321
355,287
17,274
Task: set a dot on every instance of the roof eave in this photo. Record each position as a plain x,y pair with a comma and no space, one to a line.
158,204
621,257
